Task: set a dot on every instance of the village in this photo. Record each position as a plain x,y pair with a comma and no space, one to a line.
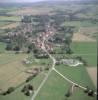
44,58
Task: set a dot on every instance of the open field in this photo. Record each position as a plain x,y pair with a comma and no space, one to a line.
11,18
2,47
80,24
82,38
84,47
93,74
87,50
32,11
11,70
10,25
4,23
17,94
56,87
89,31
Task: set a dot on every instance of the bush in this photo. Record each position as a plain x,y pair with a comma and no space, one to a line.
47,68
10,89
16,48
24,89
90,93
29,78
27,93
8,47
4,93
30,87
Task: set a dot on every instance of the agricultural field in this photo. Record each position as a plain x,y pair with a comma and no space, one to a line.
11,18
4,23
58,87
32,11
9,25
2,47
15,70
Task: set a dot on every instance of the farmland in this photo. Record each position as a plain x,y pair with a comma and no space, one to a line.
57,86
36,38
12,18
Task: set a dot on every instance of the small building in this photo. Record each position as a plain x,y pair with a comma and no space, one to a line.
71,62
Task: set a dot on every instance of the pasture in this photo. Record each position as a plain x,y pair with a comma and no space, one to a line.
55,88
87,50
18,95
9,25
10,18
2,47
12,71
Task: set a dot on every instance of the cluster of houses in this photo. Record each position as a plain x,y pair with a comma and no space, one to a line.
45,36
26,61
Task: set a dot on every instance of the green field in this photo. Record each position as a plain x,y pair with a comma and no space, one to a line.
11,18
2,47
4,23
11,70
87,50
56,87
18,95
80,23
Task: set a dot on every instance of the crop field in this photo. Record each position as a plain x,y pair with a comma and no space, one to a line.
87,50
4,23
9,25
80,23
32,11
11,70
11,18
2,47
17,94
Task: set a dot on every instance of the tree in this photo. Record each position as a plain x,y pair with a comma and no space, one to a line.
9,47
10,89
27,93
16,48
30,87
90,93
7,30
68,94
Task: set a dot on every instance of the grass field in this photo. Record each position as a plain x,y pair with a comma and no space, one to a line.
12,18
2,47
9,25
18,95
32,11
80,23
56,87
87,50
4,23
11,70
